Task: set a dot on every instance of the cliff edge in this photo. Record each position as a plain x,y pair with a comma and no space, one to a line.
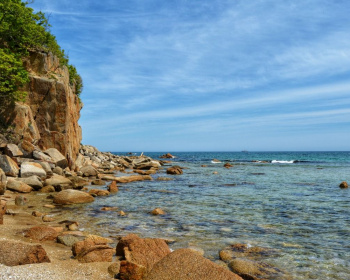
48,118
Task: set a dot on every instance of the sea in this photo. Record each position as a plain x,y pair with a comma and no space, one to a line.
287,201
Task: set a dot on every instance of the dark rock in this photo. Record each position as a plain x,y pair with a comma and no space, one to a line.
343,185
69,239
20,253
9,167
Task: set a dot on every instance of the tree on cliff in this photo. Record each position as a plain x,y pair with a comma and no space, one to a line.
22,30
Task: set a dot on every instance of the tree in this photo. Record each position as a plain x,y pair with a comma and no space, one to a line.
21,30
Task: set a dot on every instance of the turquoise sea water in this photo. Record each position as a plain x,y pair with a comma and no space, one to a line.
289,201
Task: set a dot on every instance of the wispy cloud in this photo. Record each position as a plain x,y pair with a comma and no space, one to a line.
152,65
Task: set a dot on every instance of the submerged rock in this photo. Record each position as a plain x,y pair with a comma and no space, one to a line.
157,211
252,270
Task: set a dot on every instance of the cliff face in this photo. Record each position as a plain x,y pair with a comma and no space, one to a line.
49,116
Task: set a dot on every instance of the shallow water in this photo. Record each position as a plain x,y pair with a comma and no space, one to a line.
296,208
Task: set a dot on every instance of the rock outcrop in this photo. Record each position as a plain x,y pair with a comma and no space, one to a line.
49,116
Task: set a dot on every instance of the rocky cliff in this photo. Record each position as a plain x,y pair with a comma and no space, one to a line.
49,116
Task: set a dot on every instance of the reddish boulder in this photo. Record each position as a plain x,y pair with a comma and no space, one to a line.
131,271
142,251
228,165
174,170
18,186
343,185
19,253
185,264
93,249
41,233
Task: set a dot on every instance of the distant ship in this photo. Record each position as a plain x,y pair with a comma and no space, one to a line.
244,151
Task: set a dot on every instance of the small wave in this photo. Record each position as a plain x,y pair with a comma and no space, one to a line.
282,161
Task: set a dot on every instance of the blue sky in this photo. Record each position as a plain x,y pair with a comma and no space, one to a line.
209,75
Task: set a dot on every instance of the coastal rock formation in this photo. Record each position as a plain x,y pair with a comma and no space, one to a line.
49,116
185,264
20,253
174,170
168,155
18,186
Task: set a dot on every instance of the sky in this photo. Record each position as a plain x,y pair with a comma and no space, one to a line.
209,75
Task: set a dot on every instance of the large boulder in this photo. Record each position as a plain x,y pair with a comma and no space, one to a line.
33,181
57,157
39,155
41,233
185,264
20,253
88,171
59,182
8,166
3,182
142,251
29,169
147,165
18,186
72,197
93,249
12,150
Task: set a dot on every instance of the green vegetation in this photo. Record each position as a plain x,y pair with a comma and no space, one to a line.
22,30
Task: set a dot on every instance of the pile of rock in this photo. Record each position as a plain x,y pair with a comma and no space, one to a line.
27,168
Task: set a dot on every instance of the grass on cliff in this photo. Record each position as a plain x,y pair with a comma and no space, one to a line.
22,30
